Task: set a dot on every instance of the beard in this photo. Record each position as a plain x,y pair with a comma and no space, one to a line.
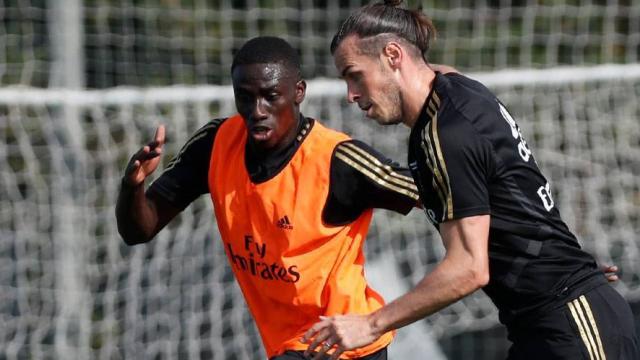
391,102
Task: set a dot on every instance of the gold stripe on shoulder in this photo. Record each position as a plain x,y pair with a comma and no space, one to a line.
581,329
594,326
178,157
202,132
437,181
376,162
376,178
432,109
443,165
436,98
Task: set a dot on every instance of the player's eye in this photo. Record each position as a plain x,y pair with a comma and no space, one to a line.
354,76
272,96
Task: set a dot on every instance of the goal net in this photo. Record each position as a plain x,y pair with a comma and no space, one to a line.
70,286
158,43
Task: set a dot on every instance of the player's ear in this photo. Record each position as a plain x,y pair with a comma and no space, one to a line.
301,90
393,54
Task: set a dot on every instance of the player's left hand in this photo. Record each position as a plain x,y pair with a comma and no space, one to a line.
342,332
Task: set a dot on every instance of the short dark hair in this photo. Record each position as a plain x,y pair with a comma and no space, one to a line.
386,17
268,50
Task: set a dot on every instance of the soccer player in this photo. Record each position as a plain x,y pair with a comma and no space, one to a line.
293,201
482,189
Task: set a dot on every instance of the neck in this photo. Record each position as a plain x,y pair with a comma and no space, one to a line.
418,86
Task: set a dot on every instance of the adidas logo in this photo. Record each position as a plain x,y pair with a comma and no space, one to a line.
284,223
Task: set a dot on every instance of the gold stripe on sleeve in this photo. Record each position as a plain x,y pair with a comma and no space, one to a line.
581,329
594,326
384,171
379,171
375,177
375,161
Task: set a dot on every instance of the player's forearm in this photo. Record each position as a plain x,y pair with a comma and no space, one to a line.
136,217
450,281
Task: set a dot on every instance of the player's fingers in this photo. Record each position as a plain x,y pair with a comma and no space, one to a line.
313,330
132,173
337,353
314,345
134,165
610,272
325,346
140,153
317,341
146,153
150,154
612,278
159,137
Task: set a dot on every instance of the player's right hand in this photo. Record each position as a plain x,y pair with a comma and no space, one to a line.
610,272
146,160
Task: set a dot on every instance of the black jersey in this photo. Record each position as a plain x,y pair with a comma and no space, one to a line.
468,157
361,178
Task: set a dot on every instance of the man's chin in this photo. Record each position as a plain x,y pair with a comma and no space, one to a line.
261,145
386,121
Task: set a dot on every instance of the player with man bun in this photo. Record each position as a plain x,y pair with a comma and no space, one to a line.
481,187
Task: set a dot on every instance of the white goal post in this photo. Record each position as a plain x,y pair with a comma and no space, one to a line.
70,288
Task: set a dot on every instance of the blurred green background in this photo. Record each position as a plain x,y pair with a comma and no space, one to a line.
166,42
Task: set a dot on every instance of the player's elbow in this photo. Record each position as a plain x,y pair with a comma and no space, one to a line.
475,277
481,277
479,272
131,230
131,239
132,236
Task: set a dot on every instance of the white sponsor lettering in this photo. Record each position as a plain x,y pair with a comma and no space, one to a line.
545,195
523,148
512,123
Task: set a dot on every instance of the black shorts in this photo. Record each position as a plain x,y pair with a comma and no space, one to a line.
597,325
299,355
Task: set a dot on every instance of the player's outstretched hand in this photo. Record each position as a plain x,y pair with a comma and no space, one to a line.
338,333
610,272
146,160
